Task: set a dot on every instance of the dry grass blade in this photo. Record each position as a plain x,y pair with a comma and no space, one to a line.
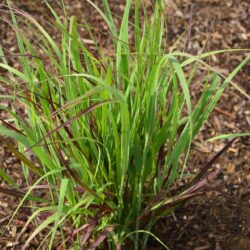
19,194
101,238
210,163
72,235
23,158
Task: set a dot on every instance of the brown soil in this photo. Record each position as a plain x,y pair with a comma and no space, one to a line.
220,219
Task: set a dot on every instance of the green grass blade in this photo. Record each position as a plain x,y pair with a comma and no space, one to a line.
228,136
62,195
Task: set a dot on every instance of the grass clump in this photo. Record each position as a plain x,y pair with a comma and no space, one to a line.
110,135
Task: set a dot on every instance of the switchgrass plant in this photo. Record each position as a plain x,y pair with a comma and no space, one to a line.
111,135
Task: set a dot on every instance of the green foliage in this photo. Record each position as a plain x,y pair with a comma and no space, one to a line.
109,133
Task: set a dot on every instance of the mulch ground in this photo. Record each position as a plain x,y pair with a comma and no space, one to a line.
220,219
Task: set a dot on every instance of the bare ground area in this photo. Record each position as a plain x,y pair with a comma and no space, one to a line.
220,219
